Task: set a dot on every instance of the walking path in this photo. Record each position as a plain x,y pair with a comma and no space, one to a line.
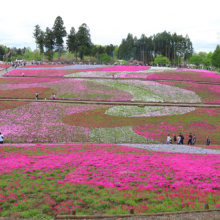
125,103
141,79
4,71
173,148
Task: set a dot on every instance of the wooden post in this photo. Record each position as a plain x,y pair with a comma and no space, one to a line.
206,206
73,212
131,211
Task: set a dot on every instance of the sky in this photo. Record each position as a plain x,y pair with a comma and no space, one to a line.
111,21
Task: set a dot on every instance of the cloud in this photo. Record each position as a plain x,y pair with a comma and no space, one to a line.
109,22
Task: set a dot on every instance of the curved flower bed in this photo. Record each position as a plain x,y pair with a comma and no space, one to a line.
117,135
42,122
156,125
39,72
187,74
210,94
63,88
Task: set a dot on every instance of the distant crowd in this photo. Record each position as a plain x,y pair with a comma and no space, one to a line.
180,139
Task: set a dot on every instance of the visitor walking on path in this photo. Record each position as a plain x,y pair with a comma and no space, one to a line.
168,139
207,141
1,138
53,96
190,139
174,139
37,95
182,138
22,74
194,139
179,139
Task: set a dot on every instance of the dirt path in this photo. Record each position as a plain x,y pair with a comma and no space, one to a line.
125,103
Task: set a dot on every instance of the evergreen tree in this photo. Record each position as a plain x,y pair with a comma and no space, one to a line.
49,42
72,42
40,41
36,34
59,32
84,39
216,57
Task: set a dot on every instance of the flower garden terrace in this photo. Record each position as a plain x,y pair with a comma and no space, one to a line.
62,122
132,72
39,180
103,179
109,90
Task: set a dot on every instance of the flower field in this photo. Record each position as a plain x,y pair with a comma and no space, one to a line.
95,90
103,179
63,88
187,74
105,159
72,70
154,125
210,94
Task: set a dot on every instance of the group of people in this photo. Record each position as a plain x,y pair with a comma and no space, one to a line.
180,139
53,96
1,138
114,76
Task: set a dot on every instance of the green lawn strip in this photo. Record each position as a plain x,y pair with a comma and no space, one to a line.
139,94
118,134
126,111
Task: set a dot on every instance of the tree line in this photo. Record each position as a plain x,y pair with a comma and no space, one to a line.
78,42
146,49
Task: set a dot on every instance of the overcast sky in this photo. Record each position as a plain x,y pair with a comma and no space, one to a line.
110,21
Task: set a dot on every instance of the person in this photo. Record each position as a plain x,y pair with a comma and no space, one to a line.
171,141
7,73
22,74
182,138
113,76
37,95
168,139
190,139
1,138
194,139
179,139
54,97
174,139
207,141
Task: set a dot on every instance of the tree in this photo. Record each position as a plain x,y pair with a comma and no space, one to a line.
59,32
72,42
36,34
196,59
216,57
84,39
49,42
161,59
3,51
208,59
28,54
40,41
105,57
203,55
